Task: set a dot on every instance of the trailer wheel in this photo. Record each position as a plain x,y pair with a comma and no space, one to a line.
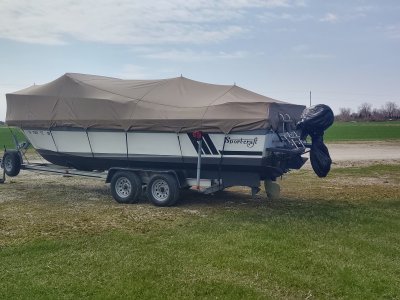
272,189
126,187
12,163
163,190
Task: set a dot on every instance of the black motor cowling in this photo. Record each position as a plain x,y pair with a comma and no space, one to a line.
314,121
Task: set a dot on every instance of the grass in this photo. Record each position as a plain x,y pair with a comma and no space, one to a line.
326,238
6,139
363,131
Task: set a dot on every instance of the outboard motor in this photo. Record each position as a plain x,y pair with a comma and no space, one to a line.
314,121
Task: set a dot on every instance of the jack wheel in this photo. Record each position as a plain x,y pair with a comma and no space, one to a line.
11,163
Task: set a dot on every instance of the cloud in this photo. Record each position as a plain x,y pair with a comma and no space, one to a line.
133,71
360,12
392,31
272,16
133,22
191,55
285,29
300,48
365,8
330,18
318,56
305,51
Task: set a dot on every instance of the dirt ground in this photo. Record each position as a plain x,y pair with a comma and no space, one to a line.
365,151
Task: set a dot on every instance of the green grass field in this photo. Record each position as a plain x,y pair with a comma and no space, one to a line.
336,237
6,139
363,131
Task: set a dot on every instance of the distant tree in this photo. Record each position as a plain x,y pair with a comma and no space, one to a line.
397,113
390,109
365,111
378,115
344,114
1,123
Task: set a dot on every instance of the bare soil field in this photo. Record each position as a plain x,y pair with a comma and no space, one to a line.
347,154
357,151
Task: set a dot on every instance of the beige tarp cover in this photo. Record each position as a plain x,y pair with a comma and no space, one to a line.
170,105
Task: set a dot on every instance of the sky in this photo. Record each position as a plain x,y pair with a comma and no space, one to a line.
344,52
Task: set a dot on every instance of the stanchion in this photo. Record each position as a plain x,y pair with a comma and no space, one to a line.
198,135
3,179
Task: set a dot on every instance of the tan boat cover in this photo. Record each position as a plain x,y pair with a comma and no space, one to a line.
170,105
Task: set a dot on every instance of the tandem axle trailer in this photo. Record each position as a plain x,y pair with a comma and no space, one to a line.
127,184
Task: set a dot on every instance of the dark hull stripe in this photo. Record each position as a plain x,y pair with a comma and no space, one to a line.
210,144
250,153
205,146
195,143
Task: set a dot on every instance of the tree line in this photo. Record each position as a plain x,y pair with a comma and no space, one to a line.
365,112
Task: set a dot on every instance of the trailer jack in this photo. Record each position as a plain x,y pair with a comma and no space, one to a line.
3,178
255,191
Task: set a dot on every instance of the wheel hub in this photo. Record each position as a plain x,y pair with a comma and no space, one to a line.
8,164
160,190
123,187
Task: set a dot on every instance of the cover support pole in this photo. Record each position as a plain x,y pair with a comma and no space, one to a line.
200,142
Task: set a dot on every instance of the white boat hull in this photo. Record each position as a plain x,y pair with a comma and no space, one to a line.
101,150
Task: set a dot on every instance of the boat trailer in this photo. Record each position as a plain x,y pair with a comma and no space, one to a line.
163,182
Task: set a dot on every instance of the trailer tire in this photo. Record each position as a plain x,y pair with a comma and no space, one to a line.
11,163
163,190
126,187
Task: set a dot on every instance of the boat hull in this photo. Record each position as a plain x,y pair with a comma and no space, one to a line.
243,153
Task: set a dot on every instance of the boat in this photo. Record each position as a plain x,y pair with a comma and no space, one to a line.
89,122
